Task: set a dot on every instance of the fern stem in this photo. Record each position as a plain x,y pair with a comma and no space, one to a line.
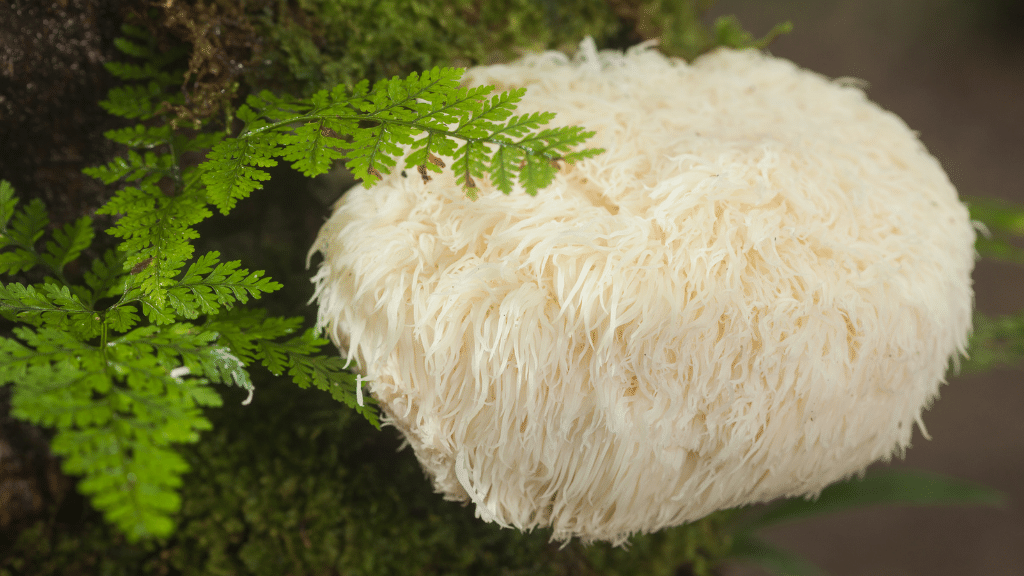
431,131
103,343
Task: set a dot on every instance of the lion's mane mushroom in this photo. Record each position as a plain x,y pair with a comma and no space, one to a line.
754,292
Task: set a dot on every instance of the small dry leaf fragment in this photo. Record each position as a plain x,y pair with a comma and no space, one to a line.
141,266
435,160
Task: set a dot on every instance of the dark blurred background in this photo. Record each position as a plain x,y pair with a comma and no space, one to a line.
954,70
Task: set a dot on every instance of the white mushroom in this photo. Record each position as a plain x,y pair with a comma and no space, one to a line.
754,292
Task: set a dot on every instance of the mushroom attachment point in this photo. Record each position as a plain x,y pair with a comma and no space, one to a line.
754,292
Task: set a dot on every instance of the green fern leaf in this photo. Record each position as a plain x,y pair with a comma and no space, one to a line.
272,355
113,171
429,101
189,347
374,151
577,155
201,141
115,435
420,95
324,372
422,153
136,32
220,365
148,71
545,149
49,305
68,243
147,168
133,49
17,260
133,101
470,159
242,330
156,230
503,167
232,170
121,318
8,202
487,118
27,226
275,108
140,136
537,172
156,310
106,278
252,336
311,150
223,285
127,71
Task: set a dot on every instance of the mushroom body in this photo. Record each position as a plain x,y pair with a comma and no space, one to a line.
754,292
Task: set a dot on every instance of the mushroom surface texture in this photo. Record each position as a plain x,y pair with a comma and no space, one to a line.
752,293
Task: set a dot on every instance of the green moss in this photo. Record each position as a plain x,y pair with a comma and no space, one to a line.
295,484
325,42
300,46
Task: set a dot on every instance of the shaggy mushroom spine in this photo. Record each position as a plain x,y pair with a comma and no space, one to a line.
752,293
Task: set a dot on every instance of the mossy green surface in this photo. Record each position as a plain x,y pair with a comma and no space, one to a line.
295,484
319,43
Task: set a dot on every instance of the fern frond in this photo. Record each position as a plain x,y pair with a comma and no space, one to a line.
28,224
326,372
156,230
8,202
503,166
17,260
136,32
486,121
433,94
133,101
311,149
232,170
202,141
68,243
374,150
116,412
113,171
548,147
120,318
106,278
140,136
20,229
209,285
268,105
252,336
49,305
242,330
191,347
127,71
132,48
334,126
147,168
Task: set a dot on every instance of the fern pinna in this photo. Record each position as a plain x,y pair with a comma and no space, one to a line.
122,361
